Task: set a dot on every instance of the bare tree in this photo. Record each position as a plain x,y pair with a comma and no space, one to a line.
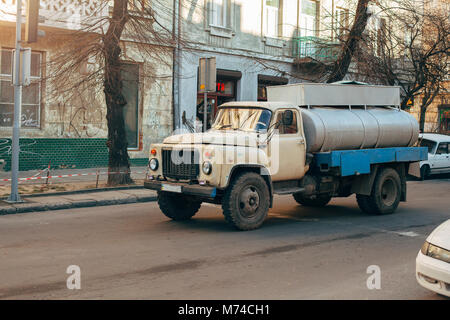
348,47
97,47
412,50
330,57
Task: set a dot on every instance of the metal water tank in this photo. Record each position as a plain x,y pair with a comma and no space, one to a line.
342,128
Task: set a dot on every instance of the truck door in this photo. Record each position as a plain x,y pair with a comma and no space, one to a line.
442,158
287,147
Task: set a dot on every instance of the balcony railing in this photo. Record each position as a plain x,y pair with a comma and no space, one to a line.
66,14
314,48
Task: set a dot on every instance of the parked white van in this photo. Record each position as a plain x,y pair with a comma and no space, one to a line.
438,154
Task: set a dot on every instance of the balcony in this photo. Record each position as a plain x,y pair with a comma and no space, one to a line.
314,49
63,14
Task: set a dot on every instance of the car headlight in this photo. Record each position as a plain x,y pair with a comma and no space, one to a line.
207,167
153,164
435,252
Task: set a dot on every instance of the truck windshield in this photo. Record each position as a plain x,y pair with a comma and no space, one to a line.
246,119
429,144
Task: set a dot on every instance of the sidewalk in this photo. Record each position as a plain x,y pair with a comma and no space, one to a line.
136,173
79,199
63,180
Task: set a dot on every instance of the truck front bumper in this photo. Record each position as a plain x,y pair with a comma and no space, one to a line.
190,189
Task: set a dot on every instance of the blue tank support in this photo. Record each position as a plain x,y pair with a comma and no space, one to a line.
356,162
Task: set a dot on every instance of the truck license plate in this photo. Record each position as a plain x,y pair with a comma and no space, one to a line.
170,188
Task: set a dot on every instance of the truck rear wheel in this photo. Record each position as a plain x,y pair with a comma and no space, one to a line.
176,206
364,203
246,202
318,200
386,193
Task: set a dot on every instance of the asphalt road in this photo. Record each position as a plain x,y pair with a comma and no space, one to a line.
134,252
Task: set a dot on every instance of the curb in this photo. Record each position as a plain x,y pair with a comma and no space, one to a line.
62,193
64,204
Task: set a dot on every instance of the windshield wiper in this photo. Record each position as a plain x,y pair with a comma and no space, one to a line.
248,117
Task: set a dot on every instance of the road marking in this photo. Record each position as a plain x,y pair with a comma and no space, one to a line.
407,233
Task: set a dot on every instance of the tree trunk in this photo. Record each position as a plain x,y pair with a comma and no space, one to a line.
118,162
423,111
342,64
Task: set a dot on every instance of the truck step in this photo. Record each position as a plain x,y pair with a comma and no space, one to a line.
288,190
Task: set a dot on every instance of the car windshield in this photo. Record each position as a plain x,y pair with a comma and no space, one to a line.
429,144
246,119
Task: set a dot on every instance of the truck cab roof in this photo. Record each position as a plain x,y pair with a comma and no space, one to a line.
435,137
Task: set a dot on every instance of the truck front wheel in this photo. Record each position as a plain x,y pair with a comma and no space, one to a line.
318,200
176,206
386,193
424,172
246,201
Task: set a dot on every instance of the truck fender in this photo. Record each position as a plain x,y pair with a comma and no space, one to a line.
363,183
263,171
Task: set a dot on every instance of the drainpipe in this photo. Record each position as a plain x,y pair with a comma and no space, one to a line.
176,31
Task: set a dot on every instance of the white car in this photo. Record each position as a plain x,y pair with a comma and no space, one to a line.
433,261
438,154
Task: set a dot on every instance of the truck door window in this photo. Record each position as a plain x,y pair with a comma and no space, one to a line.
289,125
429,144
443,148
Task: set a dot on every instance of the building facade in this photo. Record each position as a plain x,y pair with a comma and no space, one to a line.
437,116
70,130
256,43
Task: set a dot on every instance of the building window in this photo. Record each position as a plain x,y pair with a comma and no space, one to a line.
341,23
264,81
381,37
130,90
444,119
309,18
31,95
272,18
219,13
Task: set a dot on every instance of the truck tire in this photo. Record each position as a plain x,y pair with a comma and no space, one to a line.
424,172
246,201
319,200
386,193
178,207
364,203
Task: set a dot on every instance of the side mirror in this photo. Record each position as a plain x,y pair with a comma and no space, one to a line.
287,118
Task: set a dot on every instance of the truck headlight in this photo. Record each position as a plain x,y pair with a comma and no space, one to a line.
436,252
153,164
207,167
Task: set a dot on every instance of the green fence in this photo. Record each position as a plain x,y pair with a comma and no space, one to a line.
70,153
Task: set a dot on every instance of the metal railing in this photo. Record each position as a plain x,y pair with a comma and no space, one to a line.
314,47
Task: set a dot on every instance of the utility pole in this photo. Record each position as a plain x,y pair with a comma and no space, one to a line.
14,196
205,99
21,77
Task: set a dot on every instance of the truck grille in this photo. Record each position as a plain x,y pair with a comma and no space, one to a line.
186,166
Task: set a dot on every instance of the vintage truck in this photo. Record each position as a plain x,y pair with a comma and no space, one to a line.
314,141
